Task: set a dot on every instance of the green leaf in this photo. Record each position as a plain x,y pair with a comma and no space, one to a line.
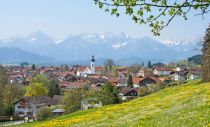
114,11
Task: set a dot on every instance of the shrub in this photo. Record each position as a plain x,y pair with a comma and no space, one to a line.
72,100
44,113
143,91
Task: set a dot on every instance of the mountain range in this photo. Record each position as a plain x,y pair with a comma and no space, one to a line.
79,49
16,55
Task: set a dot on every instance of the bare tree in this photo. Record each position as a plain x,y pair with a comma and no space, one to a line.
206,56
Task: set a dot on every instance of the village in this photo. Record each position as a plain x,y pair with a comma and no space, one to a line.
130,81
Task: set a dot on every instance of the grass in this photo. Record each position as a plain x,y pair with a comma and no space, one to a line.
187,105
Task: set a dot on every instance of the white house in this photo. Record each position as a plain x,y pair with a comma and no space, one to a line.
29,106
122,81
191,75
162,71
90,103
141,73
83,71
178,75
127,93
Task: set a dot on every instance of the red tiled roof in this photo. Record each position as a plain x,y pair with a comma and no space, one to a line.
82,68
99,68
65,73
154,78
95,76
137,80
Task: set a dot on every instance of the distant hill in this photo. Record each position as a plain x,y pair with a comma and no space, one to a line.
197,59
16,55
186,105
108,45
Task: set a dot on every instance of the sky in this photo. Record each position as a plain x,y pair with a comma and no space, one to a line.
62,18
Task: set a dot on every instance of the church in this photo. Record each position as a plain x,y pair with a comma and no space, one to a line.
85,71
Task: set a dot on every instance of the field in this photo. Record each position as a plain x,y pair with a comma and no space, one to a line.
187,105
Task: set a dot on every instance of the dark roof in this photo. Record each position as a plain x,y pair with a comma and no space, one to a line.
181,73
126,90
39,100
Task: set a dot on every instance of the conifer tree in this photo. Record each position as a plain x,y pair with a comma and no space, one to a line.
130,81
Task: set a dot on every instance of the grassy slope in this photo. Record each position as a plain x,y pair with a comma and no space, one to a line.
187,105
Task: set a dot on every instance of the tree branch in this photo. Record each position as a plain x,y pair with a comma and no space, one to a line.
206,4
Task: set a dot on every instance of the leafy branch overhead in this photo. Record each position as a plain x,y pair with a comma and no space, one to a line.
155,13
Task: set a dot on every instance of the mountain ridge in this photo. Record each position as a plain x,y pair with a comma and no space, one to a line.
107,45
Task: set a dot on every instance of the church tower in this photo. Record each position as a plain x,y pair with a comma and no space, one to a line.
92,65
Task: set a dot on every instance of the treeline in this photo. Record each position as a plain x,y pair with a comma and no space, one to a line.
9,93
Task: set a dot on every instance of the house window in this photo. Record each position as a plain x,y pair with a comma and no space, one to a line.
20,106
21,113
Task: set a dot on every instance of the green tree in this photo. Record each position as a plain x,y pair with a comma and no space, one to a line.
72,99
11,93
44,113
130,81
149,64
3,83
33,67
36,89
108,94
41,79
109,65
206,56
65,67
159,64
142,64
54,88
24,64
157,14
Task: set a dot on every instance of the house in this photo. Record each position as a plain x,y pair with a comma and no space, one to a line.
127,93
178,75
68,76
160,71
165,80
136,82
88,103
141,73
193,74
85,71
114,81
98,81
31,105
122,81
148,80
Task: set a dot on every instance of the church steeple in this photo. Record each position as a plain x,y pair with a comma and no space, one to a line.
92,65
93,59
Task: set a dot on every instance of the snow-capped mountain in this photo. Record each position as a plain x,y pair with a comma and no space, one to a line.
108,45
